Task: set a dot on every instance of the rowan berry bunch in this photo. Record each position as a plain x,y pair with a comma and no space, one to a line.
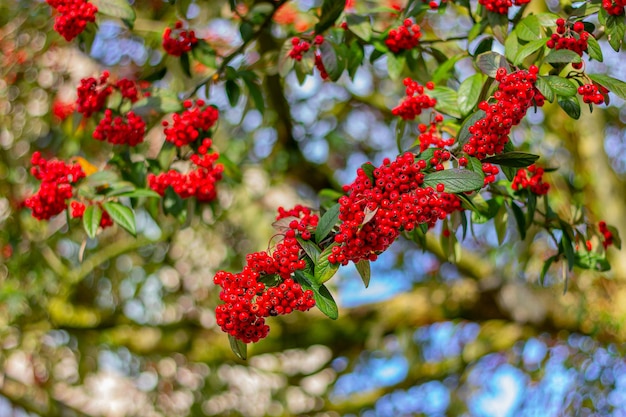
199,182
416,101
431,134
501,6
571,37
299,48
92,94
320,66
302,221
515,95
373,213
404,37
56,188
606,234
191,124
591,94
128,129
178,41
614,7
530,178
72,16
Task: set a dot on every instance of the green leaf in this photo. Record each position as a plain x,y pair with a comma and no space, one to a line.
161,101
233,92
332,63
516,159
511,46
395,65
545,89
443,71
447,100
331,10
324,270
101,178
464,134
360,25
368,168
546,266
562,56
475,165
120,9
500,222
363,267
593,261
568,249
593,49
469,93
285,62
238,347
311,249
355,58
613,85
204,54
519,219
185,65
327,222
528,49
323,299
139,192
529,28
489,62
91,220
122,215
499,24
561,86
571,106
246,30
172,203
615,30
255,92
455,180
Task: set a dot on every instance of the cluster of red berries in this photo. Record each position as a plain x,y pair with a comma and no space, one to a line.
404,37
248,301
62,110
301,221
72,17
614,7
78,211
92,94
189,125
490,172
320,66
433,4
199,182
530,178
299,48
516,93
501,6
431,135
591,94
182,42
573,38
56,179
120,130
606,234
373,213
416,101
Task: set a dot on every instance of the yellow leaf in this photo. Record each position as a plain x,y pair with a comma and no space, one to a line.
87,167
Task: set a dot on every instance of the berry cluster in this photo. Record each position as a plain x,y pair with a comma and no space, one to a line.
415,102
189,125
248,301
535,183
573,38
404,37
320,66
299,48
72,17
78,210
614,7
56,179
120,130
198,183
516,93
501,6
606,234
182,42
431,135
375,212
591,94
62,110
92,94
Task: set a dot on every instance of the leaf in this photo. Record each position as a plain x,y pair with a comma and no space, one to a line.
333,65
122,215
327,222
323,299
545,89
528,49
529,28
311,249
233,92
256,94
500,222
571,106
363,267
395,65
464,133
158,101
368,169
561,86
593,261
185,65
360,25
101,178
519,219
562,56
285,62
282,225
455,180
355,58
469,93
545,268
615,30
489,62
568,249
324,269
238,347
499,24
446,100
120,9
516,159
613,85
593,49
204,54
139,192
91,220
172,203
511,47
443,71
331,10
369,215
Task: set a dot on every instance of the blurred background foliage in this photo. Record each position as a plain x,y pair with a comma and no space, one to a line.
118,326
